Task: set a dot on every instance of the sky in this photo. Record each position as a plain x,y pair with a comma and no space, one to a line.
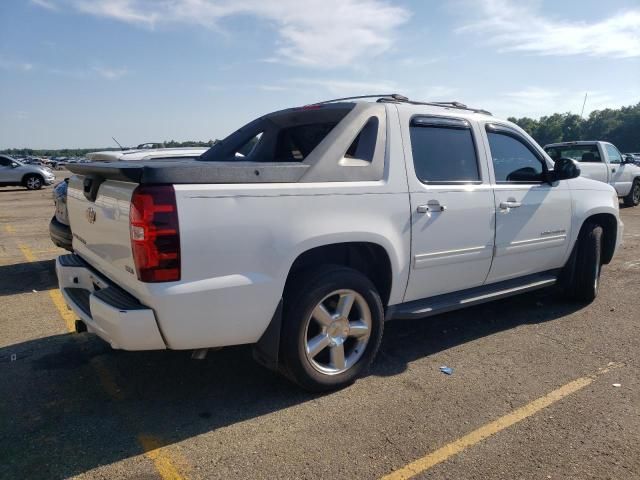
74,73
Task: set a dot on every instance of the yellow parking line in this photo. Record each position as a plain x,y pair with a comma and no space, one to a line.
154,451
430,460
27,253
67,315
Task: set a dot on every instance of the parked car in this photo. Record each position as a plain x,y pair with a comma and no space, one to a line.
340,216
633,157
33,177
602,161
59,229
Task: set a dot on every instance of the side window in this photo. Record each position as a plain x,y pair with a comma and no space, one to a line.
614,154
4,162
513,161
443,150
363,146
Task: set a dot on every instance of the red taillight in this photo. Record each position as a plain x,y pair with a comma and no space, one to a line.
155,237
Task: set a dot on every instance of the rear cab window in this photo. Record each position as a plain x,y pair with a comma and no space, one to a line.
579,153
443,150
288,136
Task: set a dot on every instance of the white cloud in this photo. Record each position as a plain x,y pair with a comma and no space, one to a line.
48,4
315,33
517,27
15,66
535,102
110,73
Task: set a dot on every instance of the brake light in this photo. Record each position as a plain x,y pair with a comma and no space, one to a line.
155,236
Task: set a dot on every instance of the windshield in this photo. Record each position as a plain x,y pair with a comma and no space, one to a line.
580,153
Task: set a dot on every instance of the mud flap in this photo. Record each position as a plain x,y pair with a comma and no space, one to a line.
267,349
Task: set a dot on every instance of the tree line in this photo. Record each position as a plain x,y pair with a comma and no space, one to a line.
620,126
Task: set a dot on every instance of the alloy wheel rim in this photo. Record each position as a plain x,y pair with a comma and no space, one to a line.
337,332
636,193
33,182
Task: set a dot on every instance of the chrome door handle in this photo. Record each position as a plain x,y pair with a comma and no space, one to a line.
433,207
509,204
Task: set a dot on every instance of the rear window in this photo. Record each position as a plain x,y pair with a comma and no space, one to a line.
282,137
443,150
580,153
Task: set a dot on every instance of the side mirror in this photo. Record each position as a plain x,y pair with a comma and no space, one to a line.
627,159
564,169
14,165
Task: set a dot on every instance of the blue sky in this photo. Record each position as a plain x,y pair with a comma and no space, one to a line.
73,73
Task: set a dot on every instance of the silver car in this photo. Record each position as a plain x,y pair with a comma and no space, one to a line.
33,177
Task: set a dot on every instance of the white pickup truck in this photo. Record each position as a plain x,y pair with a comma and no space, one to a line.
602,161
306,229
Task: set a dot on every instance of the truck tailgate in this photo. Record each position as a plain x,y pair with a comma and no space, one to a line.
100,225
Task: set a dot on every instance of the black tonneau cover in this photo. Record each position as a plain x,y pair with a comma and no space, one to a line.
192,171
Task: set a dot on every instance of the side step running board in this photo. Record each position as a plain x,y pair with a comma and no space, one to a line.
473,296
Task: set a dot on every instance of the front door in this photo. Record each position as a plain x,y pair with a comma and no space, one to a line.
621,176
452,219
8,174
533,218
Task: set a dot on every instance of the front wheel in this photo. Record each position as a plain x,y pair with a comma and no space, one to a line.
33,182
585,281
332,327
633,198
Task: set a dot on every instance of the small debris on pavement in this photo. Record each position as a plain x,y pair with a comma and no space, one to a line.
616,385
34,290
446,370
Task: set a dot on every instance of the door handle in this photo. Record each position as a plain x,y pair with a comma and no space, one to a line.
613,170
431,207
509,204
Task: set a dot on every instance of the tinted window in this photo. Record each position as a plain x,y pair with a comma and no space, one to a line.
613,153
580,153
4,162
364,145
296,143
512,160
285,136
443,153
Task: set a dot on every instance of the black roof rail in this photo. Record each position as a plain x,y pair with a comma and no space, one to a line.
391,96
396,97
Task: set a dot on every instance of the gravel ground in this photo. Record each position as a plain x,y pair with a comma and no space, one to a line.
71,406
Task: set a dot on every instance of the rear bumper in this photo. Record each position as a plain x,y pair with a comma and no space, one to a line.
60,234
108,311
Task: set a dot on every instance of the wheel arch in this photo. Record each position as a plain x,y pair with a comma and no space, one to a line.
23,181
369,258
609,224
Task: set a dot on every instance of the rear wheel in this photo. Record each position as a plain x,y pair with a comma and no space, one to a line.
585,281
633,197
332,327
33,182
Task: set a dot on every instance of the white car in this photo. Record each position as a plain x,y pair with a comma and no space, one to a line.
336,217
602,161
32,177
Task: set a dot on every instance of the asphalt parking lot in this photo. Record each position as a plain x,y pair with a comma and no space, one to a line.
532,393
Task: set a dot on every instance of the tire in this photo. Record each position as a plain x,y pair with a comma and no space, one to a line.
33,182
585,281
313,337
633,197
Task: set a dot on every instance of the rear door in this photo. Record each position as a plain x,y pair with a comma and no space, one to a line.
533,218
452,218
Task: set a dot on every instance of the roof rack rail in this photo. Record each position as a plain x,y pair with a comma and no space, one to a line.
391,96
396,97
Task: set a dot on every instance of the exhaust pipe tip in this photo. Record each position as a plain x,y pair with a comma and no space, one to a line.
80,326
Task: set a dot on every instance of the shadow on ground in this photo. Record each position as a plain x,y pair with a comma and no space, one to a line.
28,276
58,421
